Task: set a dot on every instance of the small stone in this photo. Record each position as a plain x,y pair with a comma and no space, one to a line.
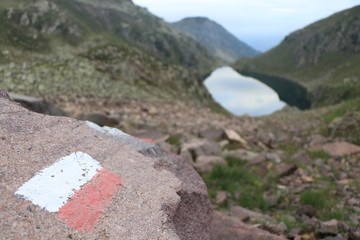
223,143
273,157
231,135
335,238
274,228
302,157
329,227
308,210
242,154
213,134
221,197
204,164
294,232
284,169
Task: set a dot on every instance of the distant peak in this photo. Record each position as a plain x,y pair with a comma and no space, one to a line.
203,19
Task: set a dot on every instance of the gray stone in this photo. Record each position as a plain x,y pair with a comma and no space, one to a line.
241,154
204,164
221,198
284,169
329,227
232,228
273,157
243,213
302,157
274,228
213,134
202,147
231,135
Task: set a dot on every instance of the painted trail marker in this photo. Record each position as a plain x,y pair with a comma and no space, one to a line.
76,187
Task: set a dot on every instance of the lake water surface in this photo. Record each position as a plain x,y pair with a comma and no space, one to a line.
242,95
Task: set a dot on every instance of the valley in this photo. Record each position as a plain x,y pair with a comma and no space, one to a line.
293,174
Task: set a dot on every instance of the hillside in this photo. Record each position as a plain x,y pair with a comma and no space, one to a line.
97,48
324,57
216,38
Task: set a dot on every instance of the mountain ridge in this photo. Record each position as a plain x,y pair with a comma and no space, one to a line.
216,38
323,57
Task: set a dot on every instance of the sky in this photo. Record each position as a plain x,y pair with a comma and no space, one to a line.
242,95
260,23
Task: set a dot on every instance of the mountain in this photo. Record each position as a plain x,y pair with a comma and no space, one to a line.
216,38
324,57
97,48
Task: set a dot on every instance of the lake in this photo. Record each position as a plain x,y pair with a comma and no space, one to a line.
242,95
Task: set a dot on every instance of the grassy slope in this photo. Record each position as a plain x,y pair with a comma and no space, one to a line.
307,56
127,53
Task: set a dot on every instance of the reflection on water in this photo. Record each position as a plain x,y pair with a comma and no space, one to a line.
242,95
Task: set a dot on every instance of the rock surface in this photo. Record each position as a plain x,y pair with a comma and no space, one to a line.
232,228
161,196
341,149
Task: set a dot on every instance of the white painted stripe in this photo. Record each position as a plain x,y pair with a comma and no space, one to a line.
52,187
114,132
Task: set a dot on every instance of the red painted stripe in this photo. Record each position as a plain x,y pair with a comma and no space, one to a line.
88,204
149,140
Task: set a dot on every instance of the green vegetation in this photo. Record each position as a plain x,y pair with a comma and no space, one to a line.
331,74
319,154
66,47
324,200
245,186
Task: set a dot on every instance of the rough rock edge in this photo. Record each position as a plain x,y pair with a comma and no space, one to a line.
174,213
5,95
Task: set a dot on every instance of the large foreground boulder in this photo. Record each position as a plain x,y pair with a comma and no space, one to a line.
61,178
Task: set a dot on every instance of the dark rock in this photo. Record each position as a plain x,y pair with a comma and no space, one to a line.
308,210
354,235
37,105
284,169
